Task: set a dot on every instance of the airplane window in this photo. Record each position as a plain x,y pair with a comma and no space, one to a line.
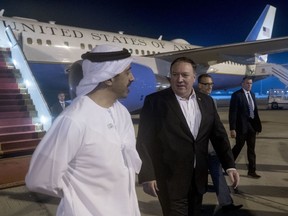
148,52
131,51
82,46
142,52
29,41
39,41
154,52
66,43
89,46
48,42
137,51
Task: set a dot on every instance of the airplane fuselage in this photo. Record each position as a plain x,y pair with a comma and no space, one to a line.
42,41
51,43
50,48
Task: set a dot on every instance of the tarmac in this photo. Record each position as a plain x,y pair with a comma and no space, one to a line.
267,196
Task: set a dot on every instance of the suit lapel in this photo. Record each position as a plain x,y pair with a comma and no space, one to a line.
201,108
244,97
253,98
174,104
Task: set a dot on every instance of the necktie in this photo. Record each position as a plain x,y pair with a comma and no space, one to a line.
251,110
63,105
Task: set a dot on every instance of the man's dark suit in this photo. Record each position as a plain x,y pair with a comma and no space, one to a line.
245,127
167,147
56,109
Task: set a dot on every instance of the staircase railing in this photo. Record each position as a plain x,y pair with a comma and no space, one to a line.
21,63
281,73
276,70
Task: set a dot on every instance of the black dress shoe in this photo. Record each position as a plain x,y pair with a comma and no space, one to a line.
231,207
253,175
236,191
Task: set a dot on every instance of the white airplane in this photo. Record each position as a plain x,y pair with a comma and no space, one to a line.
53,50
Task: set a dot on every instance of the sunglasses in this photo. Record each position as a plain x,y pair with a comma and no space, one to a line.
207,84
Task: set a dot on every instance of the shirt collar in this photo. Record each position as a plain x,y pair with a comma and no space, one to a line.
192,96
245,91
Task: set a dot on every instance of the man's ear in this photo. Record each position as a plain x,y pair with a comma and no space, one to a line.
108,82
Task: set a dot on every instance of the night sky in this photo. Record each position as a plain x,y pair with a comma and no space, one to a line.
200,22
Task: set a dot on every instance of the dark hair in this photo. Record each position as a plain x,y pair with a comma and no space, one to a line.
184,59
61,92
247,78
203,76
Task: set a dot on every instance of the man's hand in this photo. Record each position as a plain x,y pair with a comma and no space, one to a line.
233,133
150,188
234,177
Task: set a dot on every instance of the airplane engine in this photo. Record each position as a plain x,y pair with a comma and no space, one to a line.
145,82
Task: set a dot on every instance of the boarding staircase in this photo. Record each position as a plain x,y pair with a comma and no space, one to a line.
20,129
276,70
281,73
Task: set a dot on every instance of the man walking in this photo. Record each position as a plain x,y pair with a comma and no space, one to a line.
174,130
245,123
59,106
205,85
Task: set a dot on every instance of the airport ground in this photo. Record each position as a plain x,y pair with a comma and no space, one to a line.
267,196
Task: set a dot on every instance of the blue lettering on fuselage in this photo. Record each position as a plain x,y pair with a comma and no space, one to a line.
118,39
67,32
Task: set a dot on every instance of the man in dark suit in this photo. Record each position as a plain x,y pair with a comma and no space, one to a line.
245,123
225,200
174,130
59,106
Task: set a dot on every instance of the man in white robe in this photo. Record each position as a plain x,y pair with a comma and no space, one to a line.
88,156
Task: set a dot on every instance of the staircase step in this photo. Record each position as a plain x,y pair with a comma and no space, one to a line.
17,152
18,128
20,136
9,86
7,80
18,114
18,90
15,121
14,96
18,144
10,78
6,102
10,72
5,51
13,171
4,57
9,75
13,108
5,91
6,64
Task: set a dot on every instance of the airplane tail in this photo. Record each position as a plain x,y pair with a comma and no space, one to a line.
263,29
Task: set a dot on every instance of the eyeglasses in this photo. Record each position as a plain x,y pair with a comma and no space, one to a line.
207,84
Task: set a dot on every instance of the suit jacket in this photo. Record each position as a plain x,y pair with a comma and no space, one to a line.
168,149
56,109
239,119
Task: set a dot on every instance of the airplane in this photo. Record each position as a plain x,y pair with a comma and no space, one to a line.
54,51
